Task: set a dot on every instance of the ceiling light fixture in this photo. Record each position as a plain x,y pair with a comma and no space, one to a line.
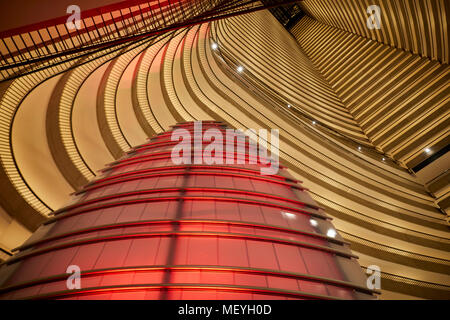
289,215
331,233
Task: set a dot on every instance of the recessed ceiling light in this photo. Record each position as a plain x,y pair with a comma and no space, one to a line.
314,122
214,46
240,69
384,159
331,233
313,222
359,148
289,215
427,150
289,106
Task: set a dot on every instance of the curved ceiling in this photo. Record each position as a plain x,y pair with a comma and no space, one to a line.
417,26
58,131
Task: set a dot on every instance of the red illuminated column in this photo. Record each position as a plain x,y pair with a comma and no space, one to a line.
152,229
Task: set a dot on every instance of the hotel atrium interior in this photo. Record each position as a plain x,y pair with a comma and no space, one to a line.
357,89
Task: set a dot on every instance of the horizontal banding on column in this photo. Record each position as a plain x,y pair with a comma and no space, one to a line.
302,244
180,222
244,270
